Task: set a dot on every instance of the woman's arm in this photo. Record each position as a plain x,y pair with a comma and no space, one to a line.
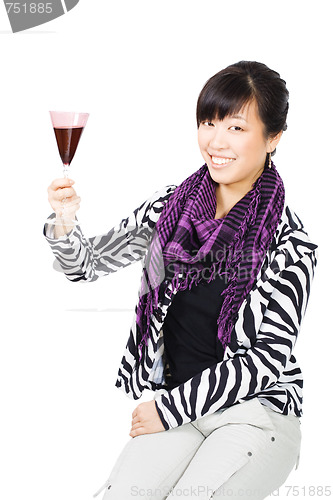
242,377
87,259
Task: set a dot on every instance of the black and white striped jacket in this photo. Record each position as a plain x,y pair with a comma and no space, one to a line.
271,314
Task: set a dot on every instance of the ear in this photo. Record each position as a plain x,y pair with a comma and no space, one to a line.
273,142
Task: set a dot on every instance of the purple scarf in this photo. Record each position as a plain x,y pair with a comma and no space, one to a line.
187,233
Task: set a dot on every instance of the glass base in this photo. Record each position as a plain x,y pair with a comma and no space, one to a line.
63,221
56,227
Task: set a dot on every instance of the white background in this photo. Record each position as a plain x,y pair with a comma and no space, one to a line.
137,67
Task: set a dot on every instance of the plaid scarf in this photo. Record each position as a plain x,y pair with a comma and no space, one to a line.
186,234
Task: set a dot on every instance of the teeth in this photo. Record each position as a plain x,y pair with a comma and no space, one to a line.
221,161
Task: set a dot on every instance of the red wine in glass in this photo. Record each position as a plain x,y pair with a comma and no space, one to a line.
67,140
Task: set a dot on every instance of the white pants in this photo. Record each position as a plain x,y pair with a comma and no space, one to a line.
245,451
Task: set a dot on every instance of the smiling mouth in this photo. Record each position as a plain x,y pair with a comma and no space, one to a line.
221,161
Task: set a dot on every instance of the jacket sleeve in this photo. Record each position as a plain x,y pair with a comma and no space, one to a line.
242,377
86,259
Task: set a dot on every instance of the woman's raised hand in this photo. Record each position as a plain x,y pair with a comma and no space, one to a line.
64,201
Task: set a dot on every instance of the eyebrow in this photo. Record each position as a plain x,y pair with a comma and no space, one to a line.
239,117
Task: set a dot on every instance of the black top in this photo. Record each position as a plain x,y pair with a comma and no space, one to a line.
190,330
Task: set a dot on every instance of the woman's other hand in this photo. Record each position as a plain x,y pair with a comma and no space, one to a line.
145,419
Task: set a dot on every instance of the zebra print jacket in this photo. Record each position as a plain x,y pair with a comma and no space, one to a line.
258,363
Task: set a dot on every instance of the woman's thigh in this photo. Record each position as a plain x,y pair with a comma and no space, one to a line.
240,460
150,464
265,472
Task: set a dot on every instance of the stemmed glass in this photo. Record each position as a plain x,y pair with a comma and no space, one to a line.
68,128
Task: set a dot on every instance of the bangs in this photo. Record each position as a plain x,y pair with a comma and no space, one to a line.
224,96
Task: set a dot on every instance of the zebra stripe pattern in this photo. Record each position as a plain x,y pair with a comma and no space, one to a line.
259,362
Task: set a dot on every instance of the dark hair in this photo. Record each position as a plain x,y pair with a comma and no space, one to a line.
227,92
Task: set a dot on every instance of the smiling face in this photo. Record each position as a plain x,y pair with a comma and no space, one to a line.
235,148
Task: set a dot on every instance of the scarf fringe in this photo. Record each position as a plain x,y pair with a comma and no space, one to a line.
177,284
228,312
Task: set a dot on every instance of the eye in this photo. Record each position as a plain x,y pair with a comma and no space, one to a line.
207,123
237,128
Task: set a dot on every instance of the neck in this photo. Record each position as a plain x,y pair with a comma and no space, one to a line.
227,195
226,198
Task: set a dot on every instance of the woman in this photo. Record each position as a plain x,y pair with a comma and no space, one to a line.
225,284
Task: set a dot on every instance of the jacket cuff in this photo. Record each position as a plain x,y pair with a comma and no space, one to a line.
71,237
159,408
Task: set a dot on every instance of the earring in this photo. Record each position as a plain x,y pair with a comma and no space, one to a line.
269,160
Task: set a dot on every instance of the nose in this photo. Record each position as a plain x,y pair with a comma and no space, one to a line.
218,138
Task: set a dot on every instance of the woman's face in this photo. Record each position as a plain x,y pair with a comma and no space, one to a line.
235,148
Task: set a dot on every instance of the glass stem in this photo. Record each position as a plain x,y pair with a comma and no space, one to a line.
66,170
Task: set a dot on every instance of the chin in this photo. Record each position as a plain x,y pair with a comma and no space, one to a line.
220,177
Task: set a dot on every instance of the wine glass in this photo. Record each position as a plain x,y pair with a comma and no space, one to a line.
68,128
